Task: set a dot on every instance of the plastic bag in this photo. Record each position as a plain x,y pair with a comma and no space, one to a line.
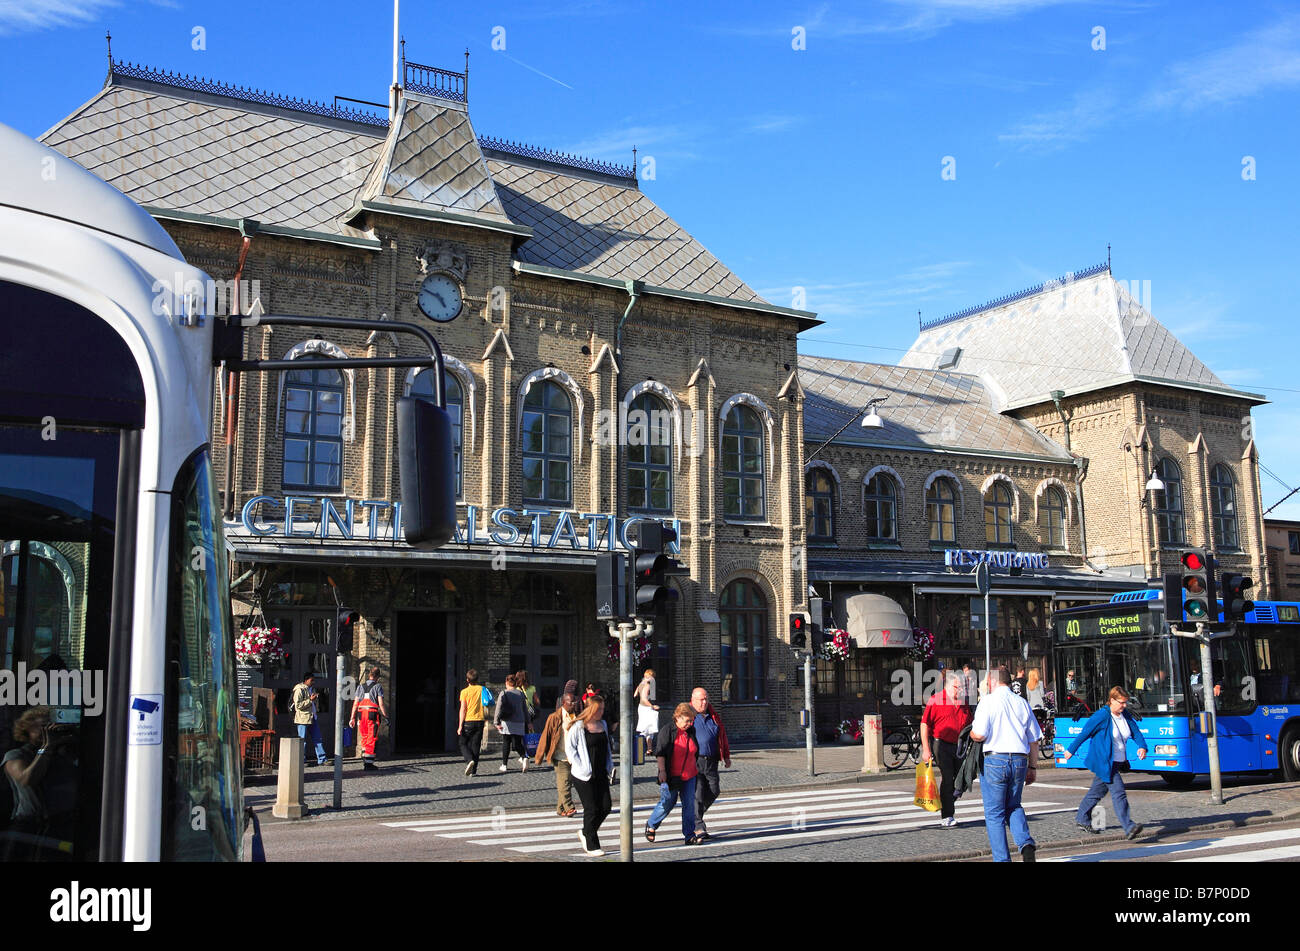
927,791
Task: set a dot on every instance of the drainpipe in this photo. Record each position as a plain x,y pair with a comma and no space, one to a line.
1081,465
247,228
634,291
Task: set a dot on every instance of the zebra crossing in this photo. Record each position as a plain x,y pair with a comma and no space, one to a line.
1271,845
734,821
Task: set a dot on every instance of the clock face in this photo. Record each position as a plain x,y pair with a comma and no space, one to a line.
440,298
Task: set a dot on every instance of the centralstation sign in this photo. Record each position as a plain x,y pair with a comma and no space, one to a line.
301,516
965,558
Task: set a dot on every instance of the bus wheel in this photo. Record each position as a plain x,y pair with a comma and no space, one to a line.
1288,754
1178,780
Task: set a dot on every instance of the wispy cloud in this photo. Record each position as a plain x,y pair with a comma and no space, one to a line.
661,141
1055,129
774,123
908,289
908,19
24,16
1265,59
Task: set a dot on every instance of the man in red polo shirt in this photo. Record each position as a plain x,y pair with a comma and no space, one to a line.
945,716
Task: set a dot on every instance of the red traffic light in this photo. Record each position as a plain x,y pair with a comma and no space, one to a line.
1192,561
798,623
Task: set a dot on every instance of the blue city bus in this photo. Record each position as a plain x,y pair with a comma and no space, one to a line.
1126,642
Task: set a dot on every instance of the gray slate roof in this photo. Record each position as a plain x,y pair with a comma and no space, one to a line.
173,148
929,410
1074,336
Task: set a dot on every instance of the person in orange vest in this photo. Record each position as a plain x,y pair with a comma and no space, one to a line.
369,703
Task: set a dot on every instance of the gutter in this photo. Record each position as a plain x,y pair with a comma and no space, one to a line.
1081,465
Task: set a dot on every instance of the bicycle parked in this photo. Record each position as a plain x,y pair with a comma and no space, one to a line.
903,744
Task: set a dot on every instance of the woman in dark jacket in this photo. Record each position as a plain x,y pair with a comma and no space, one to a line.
1109,729
676,751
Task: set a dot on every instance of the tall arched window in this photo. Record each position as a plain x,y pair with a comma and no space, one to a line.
998,512
880,507
313,428
1169,503
742,464
1051,519
819,506
649,455
941,510
744,641
1223,507
422,386
547,444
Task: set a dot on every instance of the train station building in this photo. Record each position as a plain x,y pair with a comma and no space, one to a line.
603,368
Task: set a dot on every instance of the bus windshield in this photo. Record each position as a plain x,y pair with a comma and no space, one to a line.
58,498
1150,670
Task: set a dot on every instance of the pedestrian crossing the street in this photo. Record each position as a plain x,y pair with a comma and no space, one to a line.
732,821
1272,845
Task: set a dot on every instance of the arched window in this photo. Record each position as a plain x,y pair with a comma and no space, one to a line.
941,509
547,444
819,506
1169,503
1223,507
742,464
313,428
998,511
649,455
1051,518
744,641
880,506
422,386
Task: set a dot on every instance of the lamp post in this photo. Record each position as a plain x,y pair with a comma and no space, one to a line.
871,420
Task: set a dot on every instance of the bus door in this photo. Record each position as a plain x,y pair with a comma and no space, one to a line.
1235,699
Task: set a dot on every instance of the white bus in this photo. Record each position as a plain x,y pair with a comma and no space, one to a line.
118,699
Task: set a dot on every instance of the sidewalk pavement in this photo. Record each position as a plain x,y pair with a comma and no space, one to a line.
437,784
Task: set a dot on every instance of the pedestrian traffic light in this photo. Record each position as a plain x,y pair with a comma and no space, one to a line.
798,631
1190,595
652,566
1236,597
346,622
611,586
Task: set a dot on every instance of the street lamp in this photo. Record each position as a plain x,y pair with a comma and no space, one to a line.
1154,484
870,420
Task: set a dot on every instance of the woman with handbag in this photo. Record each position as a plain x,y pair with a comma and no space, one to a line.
510,719
647,719
677,750
1109,730
530,696
591,760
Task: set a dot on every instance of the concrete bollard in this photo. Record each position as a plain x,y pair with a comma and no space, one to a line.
289,780
873,743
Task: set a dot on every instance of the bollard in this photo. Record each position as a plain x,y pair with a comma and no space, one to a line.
289,780
873,744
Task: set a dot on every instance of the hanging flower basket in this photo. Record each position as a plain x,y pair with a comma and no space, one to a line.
850,730
641,650
924,641
836,645
258,645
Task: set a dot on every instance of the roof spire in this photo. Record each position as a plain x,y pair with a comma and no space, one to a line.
1108,257
634,172
467,77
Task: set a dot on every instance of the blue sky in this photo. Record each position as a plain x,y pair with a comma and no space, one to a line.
820,167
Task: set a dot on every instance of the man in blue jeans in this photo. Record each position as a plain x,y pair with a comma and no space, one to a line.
304,716
1007,728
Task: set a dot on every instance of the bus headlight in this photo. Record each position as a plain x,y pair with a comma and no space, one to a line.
1165,750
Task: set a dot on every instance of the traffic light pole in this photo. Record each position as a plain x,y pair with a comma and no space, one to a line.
625,632
1211,711
338,730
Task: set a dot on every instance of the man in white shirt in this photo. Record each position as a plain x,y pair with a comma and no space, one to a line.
1009,731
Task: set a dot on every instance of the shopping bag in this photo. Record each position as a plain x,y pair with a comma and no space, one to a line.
530,743
927,793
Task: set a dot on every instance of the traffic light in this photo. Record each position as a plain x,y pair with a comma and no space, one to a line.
1236,597
611,586
346,622
1190,594
651,568
798,631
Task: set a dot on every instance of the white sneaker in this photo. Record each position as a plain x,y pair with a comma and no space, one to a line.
523,765
504,768
469,768
949,823
586,851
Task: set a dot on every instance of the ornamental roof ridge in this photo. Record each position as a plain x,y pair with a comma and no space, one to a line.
1067,278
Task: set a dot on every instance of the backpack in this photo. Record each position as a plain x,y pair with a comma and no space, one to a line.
486,697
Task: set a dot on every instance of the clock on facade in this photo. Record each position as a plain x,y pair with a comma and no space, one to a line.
440,297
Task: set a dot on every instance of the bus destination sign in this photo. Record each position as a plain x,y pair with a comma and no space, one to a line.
1127,624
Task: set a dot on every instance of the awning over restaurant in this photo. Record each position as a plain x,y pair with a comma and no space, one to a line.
874,620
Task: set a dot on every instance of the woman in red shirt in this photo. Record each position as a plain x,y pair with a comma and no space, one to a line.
946,715
676,750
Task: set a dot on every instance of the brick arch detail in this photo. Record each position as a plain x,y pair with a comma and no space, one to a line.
1015,492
